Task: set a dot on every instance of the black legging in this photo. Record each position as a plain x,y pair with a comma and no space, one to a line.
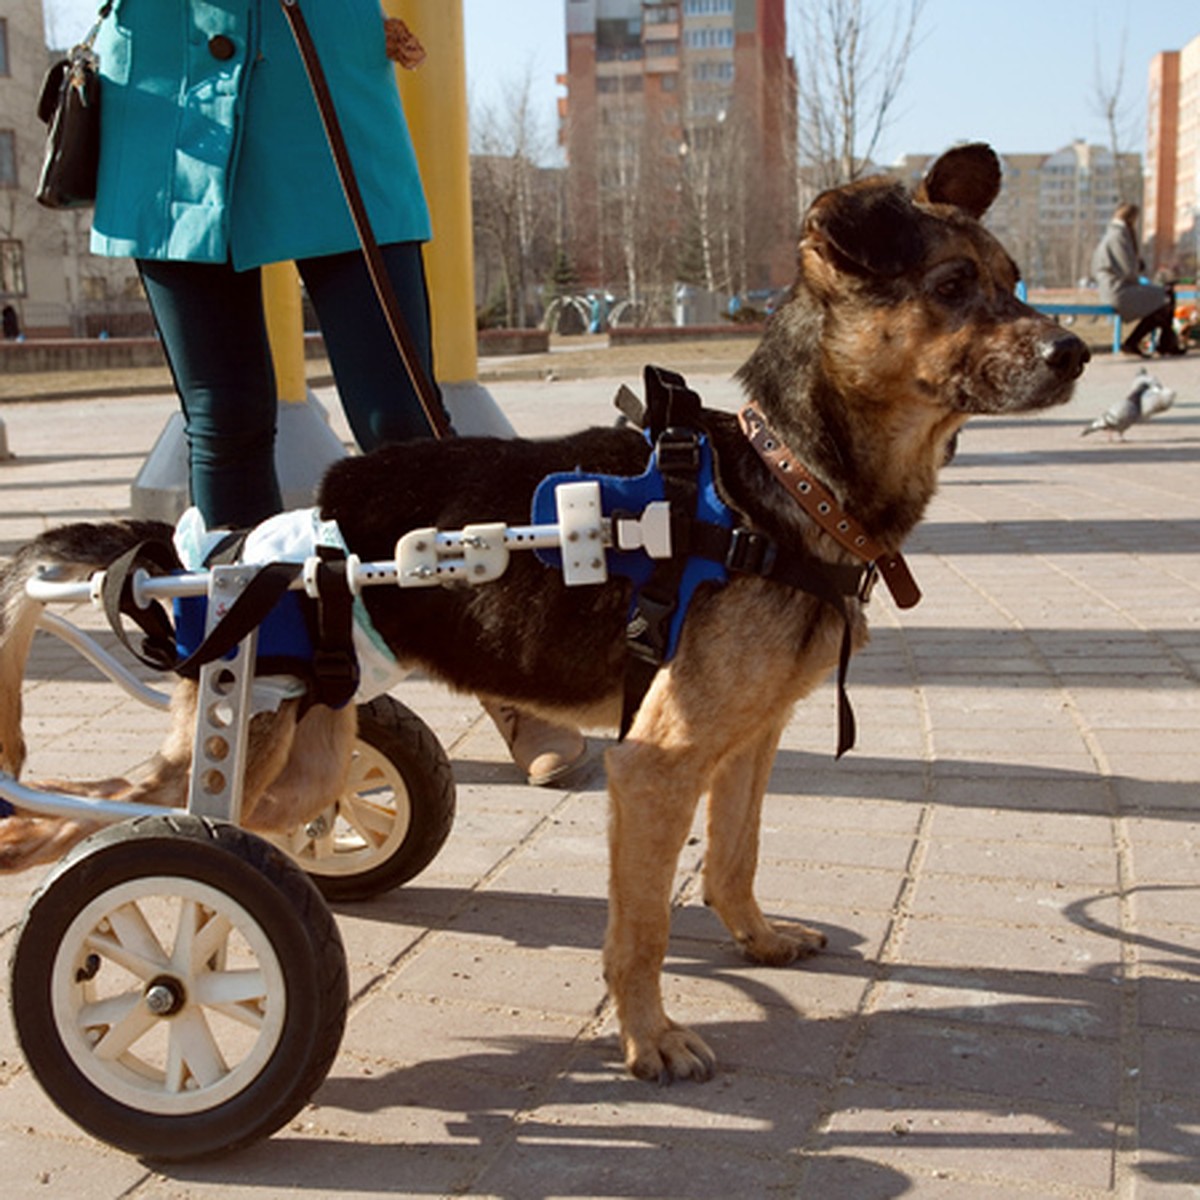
211,321
1162,319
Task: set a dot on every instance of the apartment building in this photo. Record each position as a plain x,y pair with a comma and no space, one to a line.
679,126
32,279
1052,208
1172,216
46,273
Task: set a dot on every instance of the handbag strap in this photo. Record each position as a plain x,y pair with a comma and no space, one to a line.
427,394
105,9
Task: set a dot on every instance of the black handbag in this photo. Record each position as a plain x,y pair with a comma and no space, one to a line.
70,106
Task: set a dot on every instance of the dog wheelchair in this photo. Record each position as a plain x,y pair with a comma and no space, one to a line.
178,984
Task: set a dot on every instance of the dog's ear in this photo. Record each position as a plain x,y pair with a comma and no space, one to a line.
867,228
967,177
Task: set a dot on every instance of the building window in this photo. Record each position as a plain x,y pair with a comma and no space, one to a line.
12,268
3,47
8,159
710,38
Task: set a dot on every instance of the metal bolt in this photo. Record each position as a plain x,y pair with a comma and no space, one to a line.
160,999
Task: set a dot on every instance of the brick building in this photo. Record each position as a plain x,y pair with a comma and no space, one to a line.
679,126
1172,216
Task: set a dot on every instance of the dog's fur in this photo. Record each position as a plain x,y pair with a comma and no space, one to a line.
902,323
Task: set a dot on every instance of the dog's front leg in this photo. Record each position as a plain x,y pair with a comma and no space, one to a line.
654,787
734,820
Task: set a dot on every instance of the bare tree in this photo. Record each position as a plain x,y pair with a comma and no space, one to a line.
1116,114
513,214
848,81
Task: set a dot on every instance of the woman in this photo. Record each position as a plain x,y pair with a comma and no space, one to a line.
213,163
1117,268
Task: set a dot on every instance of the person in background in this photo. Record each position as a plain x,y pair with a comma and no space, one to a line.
214,163
12,323
1117,268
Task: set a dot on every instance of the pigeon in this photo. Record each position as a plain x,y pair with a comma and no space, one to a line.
1146,399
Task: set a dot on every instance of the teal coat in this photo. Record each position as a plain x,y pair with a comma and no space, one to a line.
211,145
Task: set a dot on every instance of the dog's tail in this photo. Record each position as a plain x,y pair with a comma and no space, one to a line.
70,552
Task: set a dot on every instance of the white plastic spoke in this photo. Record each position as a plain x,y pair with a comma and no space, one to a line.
194,1051
211,939
104,1014
241,995
130,942
365,774
372,822
122,1034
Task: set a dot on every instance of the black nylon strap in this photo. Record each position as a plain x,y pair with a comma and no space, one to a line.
335,664
158,643
256,599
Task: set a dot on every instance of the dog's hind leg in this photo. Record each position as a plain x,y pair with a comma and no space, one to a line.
18,622
731,859
310,775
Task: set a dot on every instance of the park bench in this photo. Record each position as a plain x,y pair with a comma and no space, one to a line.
1074,309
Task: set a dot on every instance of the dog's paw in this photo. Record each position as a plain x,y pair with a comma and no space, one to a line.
27,841
782,943
677,1053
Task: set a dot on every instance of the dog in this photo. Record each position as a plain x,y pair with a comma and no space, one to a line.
901,324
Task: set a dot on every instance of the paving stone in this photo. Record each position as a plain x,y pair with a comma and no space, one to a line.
1027,742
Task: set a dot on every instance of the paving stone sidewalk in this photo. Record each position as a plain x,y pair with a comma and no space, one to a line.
1008,870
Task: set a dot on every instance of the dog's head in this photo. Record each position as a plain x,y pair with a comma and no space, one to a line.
902,323
919,298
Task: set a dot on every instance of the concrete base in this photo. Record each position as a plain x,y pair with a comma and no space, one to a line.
473,412
305,447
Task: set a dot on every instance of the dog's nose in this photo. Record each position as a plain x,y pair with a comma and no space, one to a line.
1067,355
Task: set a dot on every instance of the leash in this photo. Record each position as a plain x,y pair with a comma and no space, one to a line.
427,393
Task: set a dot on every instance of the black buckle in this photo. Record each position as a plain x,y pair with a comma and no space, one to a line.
678,451
335,665
648,630
750,552
869,579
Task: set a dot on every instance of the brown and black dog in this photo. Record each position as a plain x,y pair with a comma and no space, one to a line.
901,325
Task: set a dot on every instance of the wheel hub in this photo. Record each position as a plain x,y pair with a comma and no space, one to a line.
165,996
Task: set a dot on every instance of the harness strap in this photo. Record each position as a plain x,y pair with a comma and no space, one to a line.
332,675
256,599
677,456
335,664
672,412
158,641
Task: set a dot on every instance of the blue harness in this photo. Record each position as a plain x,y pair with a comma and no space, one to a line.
623,496
709,542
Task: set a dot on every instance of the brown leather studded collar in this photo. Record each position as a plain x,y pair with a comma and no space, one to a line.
819,503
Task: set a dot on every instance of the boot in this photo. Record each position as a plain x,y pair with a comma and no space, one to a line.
544,751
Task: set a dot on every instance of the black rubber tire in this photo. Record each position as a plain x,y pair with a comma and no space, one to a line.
398,755
163,1094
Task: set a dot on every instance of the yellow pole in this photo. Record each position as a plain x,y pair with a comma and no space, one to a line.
285,329
435,103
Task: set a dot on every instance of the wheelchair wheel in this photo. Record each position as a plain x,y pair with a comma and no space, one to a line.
179,988
394,816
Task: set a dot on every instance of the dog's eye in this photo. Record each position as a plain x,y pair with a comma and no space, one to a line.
952,289
953,282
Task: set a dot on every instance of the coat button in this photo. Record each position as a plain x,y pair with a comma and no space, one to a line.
221,47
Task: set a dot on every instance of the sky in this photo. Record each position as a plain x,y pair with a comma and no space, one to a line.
1020,74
